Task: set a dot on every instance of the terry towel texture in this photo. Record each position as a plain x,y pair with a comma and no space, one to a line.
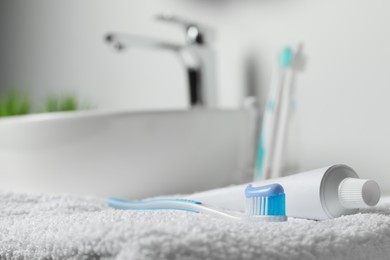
70,227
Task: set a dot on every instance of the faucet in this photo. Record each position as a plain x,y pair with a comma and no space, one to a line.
196,55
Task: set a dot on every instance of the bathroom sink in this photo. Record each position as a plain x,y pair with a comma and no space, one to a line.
127,154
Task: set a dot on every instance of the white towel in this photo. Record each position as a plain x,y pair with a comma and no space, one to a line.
70,227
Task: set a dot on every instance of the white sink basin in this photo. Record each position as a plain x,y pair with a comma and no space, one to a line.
127,154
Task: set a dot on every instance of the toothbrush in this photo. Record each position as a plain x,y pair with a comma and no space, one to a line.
264,204
285,106
271,119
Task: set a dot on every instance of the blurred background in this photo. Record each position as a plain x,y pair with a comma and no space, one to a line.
341,96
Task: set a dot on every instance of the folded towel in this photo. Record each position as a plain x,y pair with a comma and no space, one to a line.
65,226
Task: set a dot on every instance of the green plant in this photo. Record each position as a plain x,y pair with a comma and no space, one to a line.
14,103
64,103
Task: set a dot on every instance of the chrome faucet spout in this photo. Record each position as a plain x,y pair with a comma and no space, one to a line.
196,55
121,41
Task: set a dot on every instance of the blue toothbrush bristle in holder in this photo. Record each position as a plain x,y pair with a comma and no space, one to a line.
265,203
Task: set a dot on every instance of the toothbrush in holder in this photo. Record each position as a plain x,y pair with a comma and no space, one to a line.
271,119
283,124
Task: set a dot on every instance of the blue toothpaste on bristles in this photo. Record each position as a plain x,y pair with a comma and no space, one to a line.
265,203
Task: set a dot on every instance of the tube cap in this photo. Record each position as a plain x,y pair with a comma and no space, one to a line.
357,193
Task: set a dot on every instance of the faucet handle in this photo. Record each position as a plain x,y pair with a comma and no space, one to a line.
195,33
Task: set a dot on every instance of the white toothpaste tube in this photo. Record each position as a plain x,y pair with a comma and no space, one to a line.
319,194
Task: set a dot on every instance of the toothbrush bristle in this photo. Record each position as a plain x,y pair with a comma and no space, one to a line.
266,206
265,203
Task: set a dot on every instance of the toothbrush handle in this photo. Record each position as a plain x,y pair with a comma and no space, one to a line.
280,141
168,204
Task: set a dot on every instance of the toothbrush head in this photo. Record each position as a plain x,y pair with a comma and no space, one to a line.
286,57
265,203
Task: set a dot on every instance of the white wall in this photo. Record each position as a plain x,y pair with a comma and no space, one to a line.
342,95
